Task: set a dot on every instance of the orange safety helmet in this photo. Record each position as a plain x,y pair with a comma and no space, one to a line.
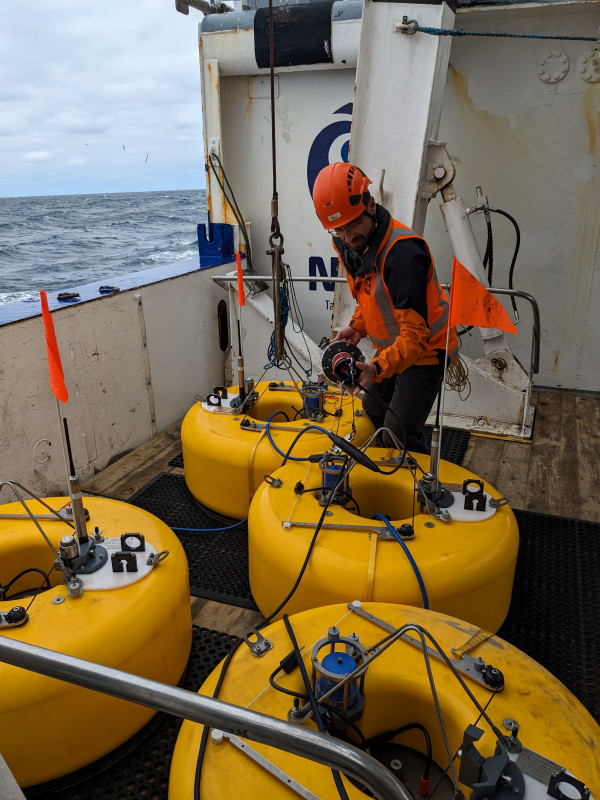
340,194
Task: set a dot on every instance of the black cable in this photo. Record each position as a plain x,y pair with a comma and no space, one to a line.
445,772
234,207
313,703
334,711
514,258
236,644
4,589
282,688
338,492
488,258
393,413
337,713
387,736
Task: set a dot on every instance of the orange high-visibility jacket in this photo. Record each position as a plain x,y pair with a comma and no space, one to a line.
400,334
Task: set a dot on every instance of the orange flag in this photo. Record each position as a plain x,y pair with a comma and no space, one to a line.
472,304
240,280
57,379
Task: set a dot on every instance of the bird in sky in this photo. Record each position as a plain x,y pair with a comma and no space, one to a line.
146,157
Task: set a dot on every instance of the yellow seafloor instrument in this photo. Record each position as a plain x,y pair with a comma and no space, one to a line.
127,607
382,538
484,718
229,447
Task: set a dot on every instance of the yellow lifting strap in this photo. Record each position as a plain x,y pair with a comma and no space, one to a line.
481,636
371,567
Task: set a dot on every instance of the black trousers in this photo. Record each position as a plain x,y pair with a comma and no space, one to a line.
402,403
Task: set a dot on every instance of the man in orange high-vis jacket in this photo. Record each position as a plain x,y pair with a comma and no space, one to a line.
401,305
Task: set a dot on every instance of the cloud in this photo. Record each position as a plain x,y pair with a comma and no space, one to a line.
37,155
79,80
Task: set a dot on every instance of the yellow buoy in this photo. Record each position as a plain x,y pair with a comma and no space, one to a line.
136,621
519,708
463,565
227,454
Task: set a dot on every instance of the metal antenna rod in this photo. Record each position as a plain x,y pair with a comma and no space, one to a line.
76,497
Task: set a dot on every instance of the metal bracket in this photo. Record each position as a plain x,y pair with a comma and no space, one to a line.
382,533
14,618
138,545
439,169
130,560
260,645
562,776
495,776
473,668
474,494
406,26
155,558
219,736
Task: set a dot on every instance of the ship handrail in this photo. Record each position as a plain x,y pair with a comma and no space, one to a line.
207,711
535,310
534,367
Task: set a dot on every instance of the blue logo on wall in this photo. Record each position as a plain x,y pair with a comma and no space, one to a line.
330,145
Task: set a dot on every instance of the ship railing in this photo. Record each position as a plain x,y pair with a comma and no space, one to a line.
534,365
208,711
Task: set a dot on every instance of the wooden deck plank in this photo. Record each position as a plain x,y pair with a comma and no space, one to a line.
484,458
544,479
584,454
229,619
513,470
127,475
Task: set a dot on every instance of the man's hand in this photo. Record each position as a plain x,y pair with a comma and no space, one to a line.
348,334
368,373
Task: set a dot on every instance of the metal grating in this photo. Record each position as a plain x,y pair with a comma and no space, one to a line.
553,618
140,767
553,615
554,612
218,559
454,444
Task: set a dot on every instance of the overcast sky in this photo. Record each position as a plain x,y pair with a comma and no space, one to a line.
98,96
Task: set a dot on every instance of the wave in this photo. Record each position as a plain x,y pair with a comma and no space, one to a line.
57,242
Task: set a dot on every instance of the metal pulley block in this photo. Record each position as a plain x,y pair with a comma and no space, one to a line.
14,618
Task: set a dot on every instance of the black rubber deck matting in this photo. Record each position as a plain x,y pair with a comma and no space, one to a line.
218,559
140,767
454,444
554,614
553,618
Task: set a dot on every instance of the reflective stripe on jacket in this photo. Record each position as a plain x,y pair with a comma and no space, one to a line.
401,336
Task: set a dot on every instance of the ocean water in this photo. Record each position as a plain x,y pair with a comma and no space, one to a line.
56,243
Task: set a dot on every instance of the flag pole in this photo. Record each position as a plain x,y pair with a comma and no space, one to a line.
62,438
434,464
